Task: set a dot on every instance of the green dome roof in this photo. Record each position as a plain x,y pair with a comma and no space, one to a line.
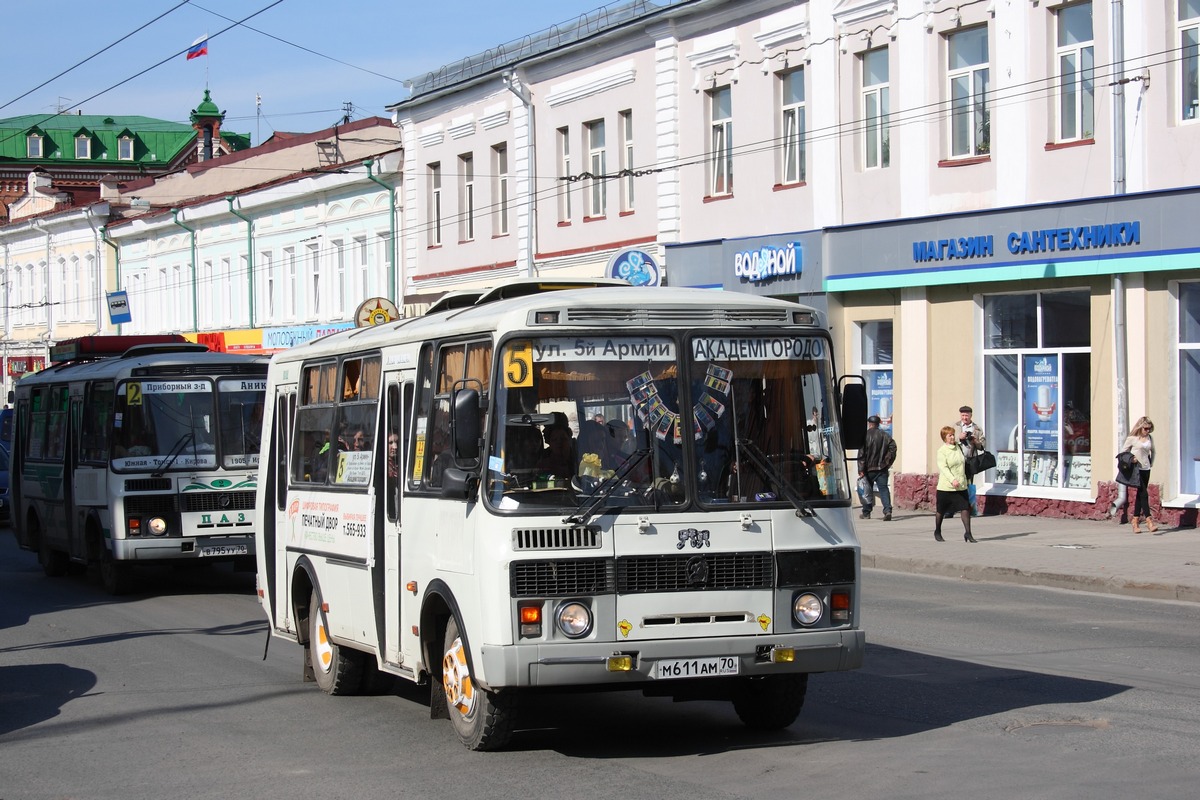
207,108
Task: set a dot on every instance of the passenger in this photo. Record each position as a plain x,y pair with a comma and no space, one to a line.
557,458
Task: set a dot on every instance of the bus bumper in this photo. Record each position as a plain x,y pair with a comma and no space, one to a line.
203,548
586,663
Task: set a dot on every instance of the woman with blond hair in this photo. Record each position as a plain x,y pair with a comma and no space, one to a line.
952,485
1141,444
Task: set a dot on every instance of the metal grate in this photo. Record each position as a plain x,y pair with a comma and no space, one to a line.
151,504
678,316
563,538
561,578
147,484
815,567
218,501
707,572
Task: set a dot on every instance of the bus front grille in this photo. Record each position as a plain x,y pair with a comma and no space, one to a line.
218,501
147,484
695,572
147,504
561,577
560,538
815,567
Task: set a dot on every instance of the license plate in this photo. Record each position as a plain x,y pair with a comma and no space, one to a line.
224,550
698,667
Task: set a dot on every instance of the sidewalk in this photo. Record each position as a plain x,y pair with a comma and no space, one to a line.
1038,551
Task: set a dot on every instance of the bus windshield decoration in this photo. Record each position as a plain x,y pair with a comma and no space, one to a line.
553,485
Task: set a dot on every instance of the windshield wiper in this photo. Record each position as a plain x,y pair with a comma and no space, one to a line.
759,459
175,451
585,509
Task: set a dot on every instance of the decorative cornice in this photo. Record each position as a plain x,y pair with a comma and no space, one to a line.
493,117
433,135
461,126
595,83
702,60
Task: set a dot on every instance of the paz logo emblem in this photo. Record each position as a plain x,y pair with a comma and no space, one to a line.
697,571
697,539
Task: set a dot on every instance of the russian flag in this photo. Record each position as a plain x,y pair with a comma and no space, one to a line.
198,48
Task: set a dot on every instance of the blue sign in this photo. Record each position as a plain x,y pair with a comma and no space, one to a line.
769,262
636,266
879,396
118,308
283,338
1041,403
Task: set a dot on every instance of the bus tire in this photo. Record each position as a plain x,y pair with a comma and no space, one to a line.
770,703
54,562
482,720
337,670
114,575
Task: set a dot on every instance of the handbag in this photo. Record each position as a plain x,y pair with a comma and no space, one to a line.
980,462
1127,469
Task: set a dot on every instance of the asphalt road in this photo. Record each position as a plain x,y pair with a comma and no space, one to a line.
991,690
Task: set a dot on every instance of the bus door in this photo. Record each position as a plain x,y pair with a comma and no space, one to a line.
400,605
275,522
75,526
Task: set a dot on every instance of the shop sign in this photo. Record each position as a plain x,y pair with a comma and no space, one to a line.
283,338
636,266
768,262
1046,240
21,365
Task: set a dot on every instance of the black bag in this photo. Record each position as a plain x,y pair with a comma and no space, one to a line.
980,462
1127,469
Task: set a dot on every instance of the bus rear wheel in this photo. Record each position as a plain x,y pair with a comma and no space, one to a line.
482,720
338,670
770,703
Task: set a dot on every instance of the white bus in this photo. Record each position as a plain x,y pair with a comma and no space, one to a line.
137,449
683,530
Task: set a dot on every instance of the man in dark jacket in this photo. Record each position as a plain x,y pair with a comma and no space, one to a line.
874,461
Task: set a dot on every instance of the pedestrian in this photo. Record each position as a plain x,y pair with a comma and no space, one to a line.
952,485
972,442
874,462
1141,444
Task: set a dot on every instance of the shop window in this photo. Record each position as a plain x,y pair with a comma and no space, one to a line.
1076,78
877,369
1037,387
1189,388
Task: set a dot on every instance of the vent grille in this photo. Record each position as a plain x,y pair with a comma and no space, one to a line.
147,484
707,572
676,316
218,501
562,577
137,505
200,369
815,567
564,538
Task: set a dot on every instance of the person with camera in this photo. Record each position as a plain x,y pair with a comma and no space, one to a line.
876,459
972,442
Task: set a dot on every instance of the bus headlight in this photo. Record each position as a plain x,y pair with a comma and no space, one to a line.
574,619
157,526
807,608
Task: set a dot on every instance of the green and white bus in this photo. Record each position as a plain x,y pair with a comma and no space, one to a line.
135,450
552,485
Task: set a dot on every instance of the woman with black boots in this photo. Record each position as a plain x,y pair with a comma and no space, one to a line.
952,494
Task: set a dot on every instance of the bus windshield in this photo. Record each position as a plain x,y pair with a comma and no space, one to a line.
632,421
165,424
240,410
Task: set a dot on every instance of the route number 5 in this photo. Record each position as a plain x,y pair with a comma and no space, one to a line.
518,365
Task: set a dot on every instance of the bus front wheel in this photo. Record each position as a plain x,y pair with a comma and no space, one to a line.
770,703
114,575
54,562
482,720
338,670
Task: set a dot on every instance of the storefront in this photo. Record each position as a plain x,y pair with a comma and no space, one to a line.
1044,319
786,265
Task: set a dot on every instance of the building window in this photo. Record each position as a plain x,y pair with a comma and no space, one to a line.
270,297
1189,57
970,125
597,188
564,174
125,148
877,146
33,146
363,262
794,127
1037,387
342,292
720,165
291,305
435,204
500,188
1189,388
1076,77
466,197
876,346
313,258
207,285
625,122
83,147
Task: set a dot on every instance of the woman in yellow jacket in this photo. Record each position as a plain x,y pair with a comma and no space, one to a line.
951,486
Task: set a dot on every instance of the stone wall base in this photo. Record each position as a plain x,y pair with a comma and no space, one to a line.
919,492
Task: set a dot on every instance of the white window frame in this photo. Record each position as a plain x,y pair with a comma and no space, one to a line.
312,257
363,263
500,189
720,126
596,194
972,107
1188,36
564,174
626,163
435,204
466,197
290,303
269,302
1076,79
83,143
34,146
125,148
341,291
793,120
208,285
876,108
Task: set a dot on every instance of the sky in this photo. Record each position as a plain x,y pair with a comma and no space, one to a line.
305,59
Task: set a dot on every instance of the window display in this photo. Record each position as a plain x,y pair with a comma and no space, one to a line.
1189,388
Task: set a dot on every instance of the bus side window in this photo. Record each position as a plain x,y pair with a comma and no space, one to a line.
96,423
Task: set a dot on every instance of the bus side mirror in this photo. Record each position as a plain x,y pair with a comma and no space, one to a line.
854,411
464,423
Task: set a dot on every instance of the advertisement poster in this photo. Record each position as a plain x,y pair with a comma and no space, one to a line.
1041,403
879,396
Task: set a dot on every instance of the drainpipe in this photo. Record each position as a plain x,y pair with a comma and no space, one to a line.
513,82
399,301
116,261
1121,368
195,288
249,252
